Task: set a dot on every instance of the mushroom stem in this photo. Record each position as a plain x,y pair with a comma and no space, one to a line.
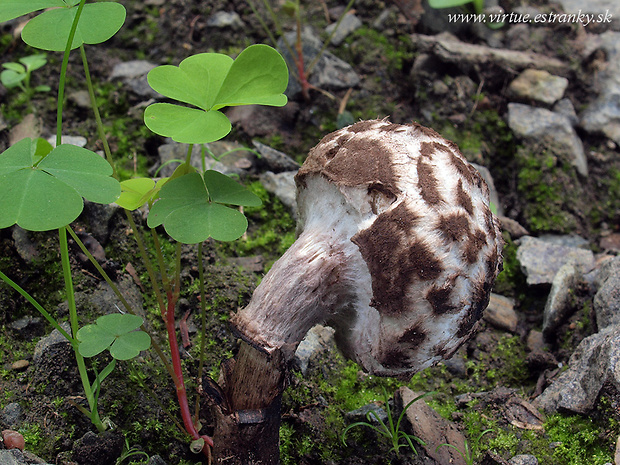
248,425
302,289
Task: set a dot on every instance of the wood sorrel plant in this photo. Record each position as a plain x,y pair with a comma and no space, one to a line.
42,188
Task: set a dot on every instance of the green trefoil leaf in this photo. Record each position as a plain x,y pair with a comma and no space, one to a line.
116,332
41,190
191,208
209,82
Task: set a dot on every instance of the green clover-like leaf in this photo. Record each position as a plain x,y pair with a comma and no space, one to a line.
50,30
211,81
40,191
11,9
115,332
135,192
191,208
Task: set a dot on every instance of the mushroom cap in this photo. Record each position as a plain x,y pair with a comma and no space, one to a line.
398,251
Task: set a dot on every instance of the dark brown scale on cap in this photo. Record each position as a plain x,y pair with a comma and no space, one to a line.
440,299
387,251
474,245
463,198
427,183
356,161
454,227
414,336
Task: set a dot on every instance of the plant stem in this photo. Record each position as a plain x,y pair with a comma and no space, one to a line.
203,323
66,269
173,296
93,104
63,72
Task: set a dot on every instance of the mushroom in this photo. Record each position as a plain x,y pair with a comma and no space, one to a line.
397,251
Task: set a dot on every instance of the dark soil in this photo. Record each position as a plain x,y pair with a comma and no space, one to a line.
138,398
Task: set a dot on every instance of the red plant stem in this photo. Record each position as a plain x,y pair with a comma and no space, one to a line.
180,384
303,78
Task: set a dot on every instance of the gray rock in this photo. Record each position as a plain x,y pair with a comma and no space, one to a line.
523,460
26,323
607,300
157,460
318,340
555,130
223,19
559,304
608,269
12,415
432,429
49,341
133,75
275,160
501,313
566,240
361,414
81,98
538,85
282,185
595,362
609,9
238,161
330,72
466,57
565,107
541,260
131,69
78,141
98,217
348,24
10,457
26,248
603,115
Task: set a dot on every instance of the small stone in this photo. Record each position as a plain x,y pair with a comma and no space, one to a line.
348,24
602,116
535,341
361,413
78,141
282,185
223,19
12,415
541,260
610,242
559,305
523,460
13,439
30,126
536,124
539,85
25,247
131,69
607,302
275,160
432,429
19,365
81,98
501,314
318,340
617,452
51,340
565,107
157,460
